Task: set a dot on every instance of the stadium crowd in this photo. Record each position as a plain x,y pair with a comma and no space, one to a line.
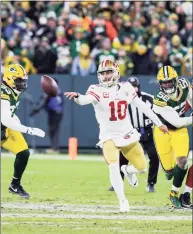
74,37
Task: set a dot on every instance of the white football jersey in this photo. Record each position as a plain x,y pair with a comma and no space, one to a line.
111,111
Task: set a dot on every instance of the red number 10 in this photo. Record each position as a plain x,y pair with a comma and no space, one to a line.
120,115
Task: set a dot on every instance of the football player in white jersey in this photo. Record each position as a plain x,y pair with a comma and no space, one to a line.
110,100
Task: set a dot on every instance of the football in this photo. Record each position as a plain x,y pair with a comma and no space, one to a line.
49,85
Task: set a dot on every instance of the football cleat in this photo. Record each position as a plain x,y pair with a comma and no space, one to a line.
185,200
150,188
131,177
175,199
124,206
18,189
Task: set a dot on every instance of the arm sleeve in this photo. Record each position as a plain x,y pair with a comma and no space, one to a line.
189,98
147,111
171,116
84,99
91,97
9,121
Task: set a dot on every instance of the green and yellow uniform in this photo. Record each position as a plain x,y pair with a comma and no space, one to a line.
11,140
176,143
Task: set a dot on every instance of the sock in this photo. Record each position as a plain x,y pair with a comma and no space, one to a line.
131,169
187,189
20,164
116,181
189,182
175,188
179,175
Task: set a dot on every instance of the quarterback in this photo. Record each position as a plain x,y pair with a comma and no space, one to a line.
173,148
14,83
110,100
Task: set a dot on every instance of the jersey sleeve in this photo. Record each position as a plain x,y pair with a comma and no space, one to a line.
92,91
5,93
160,99
131,92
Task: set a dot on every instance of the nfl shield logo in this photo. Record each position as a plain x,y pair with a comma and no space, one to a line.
106,95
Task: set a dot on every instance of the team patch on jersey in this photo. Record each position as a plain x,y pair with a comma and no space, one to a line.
106,95
159,103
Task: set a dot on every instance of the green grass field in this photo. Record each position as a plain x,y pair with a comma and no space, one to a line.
71,197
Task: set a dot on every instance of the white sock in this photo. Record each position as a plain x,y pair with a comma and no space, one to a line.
187,189
116,181
175,188
131,169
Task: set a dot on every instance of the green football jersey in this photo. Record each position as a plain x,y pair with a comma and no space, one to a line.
162,99
8,94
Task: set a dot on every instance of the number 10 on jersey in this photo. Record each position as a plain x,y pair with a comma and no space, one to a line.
118,110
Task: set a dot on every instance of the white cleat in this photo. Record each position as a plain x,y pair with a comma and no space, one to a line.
131,177
124,206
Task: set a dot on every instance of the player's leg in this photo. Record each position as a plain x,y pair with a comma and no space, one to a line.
185,197
180,145
153,166
135,154
16,144
167,158
122,161
111,154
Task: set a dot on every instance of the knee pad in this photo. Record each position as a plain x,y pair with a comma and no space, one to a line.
183,162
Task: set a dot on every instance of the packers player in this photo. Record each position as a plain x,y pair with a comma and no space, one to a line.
169,105
14,83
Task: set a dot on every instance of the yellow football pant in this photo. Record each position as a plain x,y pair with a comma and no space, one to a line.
134,153
171,146
14,142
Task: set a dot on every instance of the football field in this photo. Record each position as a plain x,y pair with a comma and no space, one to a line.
71,197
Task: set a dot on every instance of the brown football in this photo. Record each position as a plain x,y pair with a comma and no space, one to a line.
49,85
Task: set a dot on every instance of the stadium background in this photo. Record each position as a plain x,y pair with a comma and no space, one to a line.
67,40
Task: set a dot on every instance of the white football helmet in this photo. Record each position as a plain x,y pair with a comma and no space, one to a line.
108,73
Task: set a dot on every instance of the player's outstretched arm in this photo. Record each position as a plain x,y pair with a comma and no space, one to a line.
11,122
172,117
79,99
149,113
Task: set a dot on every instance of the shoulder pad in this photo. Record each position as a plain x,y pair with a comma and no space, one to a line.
184,83
5,92
160,99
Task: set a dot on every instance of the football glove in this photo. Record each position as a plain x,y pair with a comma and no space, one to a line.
36,132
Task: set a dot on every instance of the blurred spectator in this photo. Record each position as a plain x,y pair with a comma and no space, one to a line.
125,63
54,106
187,64
157,60
141,60
67,25
78,38
177,53
5,52
83,64
106,52
19,58
44,57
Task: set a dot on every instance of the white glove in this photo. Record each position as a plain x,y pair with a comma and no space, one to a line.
36,132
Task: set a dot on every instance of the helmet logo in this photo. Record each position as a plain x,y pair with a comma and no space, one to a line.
12,69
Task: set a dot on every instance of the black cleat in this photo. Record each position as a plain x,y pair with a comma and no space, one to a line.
111,189
18,189
185,200
150,188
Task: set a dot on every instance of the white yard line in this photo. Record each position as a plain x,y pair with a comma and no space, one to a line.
103,217
81,157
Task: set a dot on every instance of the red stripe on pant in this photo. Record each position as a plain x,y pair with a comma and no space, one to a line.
189,178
